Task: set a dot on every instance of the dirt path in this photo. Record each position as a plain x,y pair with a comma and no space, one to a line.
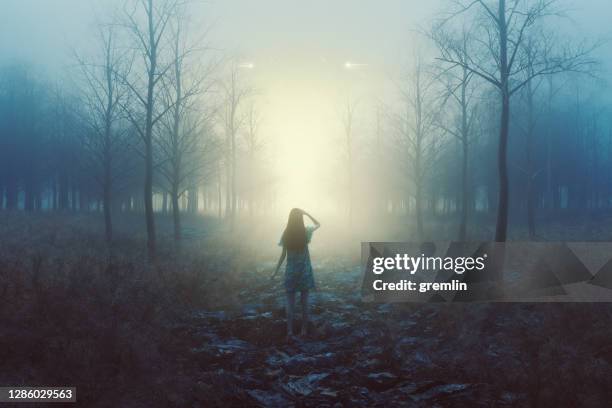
357,355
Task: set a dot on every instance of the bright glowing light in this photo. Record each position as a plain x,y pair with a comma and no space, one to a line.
352,65
247,65
303,129
301,105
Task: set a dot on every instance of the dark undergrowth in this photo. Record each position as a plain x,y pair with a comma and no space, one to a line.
75,312
201,326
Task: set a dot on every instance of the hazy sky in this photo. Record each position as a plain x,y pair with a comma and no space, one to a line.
299,49
44,30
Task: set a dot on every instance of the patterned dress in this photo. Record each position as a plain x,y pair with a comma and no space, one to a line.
298,271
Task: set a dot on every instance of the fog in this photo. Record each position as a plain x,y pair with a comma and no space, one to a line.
151,152
304,64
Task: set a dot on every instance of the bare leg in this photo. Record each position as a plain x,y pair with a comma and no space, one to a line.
304,299
290,308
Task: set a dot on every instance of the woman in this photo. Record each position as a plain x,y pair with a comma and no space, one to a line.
298,272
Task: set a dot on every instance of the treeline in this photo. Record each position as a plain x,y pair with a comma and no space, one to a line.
150,120
501,113
561,167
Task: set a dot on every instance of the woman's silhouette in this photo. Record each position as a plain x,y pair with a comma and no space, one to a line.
298,271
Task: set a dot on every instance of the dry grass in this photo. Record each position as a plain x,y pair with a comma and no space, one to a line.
76,312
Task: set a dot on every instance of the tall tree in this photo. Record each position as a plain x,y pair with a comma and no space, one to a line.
183,140
104,93
418,130
529,130
254,144
460,89
498,58
234,95
348,125
148,21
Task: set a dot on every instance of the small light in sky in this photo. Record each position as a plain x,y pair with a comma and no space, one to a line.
352,65
247,65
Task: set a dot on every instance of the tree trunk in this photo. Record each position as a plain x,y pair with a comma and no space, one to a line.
107,203
350,184
148,184
165,202
219,194
12,194
464,163
502,153
530,170
72,198
419,209
464,193
29,196
234,190
418,157
63,191
53,198
176,215
228,186
193,200
502,202
148,197
83,201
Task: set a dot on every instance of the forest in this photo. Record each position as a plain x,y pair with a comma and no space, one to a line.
145,183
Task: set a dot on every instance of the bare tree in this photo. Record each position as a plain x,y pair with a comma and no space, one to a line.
103,94
254,145
418,130
532,113
460,89
148,22
62,129
234,94
497,56
183,138
348,124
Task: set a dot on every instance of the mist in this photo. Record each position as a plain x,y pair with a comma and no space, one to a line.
162,161
300,67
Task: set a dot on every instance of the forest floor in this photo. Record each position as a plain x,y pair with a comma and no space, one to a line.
204,326
364,354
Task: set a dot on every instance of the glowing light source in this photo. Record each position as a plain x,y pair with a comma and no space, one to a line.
300,126
352,65
247,65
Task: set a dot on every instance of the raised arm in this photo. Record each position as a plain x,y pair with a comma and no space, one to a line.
317,224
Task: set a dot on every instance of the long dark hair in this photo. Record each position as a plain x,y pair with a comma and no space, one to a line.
294,237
